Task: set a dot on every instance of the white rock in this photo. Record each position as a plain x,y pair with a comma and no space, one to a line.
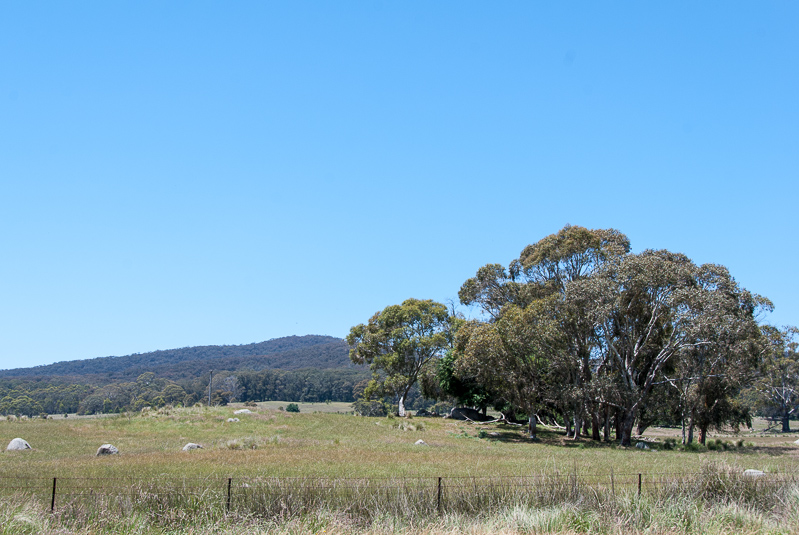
232,419
642,446
796,442
107,449
754,473
191,446
243,411
420,442
18,444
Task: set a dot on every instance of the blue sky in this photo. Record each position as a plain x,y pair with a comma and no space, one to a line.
190,173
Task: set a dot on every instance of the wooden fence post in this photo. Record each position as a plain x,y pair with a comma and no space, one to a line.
438,504
227,506
639,485
52,499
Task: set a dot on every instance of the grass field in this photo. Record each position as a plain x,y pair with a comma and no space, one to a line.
324,441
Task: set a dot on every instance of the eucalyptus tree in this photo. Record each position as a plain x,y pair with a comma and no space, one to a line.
396,344
710,375
649,308
778,385
543,271
517,356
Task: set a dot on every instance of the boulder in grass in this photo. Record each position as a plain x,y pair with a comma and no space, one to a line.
192,446
642,446
420,442
796,442
754,473
232,420
18,444
107,449
243,411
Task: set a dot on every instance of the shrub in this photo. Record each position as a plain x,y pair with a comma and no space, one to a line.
292,407
694,447
669,443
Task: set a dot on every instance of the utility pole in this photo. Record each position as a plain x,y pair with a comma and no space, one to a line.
210,376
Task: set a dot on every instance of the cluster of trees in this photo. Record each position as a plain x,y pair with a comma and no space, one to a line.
31,397
293,368
583,333
308,386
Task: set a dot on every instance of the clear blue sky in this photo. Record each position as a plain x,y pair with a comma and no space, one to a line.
189,173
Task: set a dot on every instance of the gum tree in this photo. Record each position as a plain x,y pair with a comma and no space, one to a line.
778,385
397,343
650,308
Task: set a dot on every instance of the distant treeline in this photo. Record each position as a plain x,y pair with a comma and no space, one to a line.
295,368
32,397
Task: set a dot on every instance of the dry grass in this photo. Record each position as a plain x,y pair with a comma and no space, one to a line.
581,497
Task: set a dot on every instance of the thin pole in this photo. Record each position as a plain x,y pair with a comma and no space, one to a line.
229,481
210,376
438,506
52,500
639,485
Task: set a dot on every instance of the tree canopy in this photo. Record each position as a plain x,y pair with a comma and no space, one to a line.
397,342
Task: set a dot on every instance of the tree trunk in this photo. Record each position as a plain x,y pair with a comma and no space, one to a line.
691,431
532,424
618,421
607,424
683,429
628,422
702,435
578,424
595,426
585,427
786,424
568,422
401,406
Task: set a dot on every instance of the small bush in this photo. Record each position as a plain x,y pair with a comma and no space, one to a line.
713,445
292,407
669,444
250,404
740,443
694,447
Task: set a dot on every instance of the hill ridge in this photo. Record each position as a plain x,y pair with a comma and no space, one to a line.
311,351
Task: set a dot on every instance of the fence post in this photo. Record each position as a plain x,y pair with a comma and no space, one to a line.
639,485
52,499
438,503
227,506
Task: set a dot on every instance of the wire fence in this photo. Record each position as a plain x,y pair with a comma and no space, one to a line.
421,496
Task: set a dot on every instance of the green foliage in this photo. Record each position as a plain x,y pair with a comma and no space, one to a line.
397,343
777,389
694,447
292,407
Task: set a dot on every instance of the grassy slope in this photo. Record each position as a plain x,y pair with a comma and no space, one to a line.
320,442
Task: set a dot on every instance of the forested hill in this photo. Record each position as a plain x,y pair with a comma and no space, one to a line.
287,353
